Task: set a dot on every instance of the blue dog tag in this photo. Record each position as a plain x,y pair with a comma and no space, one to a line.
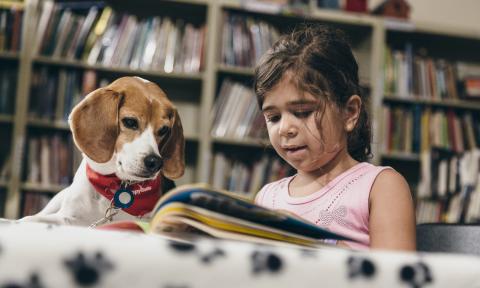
123,198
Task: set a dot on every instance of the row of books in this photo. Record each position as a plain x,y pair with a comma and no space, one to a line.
51,159
11,29
246,178
245,39
236,113
412,129
277,6
8,86
54,92
449,190
99,35
33,202
410,76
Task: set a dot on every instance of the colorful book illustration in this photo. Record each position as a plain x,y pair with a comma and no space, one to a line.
201,209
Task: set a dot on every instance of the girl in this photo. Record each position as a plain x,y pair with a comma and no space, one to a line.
307,88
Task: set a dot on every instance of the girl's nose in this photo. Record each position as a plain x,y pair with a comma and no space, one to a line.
287,127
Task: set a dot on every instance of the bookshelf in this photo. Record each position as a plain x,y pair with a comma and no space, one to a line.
442,132
196,92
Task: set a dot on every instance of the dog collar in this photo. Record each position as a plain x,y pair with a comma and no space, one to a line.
136,199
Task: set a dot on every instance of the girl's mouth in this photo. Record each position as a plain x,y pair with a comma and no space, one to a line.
292,150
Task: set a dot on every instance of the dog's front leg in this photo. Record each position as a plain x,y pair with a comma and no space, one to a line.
55,218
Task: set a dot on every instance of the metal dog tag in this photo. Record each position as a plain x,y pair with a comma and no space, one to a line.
123,198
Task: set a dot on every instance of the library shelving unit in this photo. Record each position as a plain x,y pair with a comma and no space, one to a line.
194,93
11,15
441,116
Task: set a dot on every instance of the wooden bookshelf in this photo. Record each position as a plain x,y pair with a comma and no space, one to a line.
117,70
7,55
368,34
40,188
242,71
445,103
6,118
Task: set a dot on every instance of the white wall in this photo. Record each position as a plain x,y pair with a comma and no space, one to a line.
454,13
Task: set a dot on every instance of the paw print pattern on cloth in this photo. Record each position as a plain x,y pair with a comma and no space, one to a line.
88,271
212,255
206,258
417,275
266,262
181,246
360,267
33,282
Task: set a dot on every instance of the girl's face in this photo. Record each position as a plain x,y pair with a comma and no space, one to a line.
302,137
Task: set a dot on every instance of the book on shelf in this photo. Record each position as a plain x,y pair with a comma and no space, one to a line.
11,28
34,202
235,112
5,168
97,34
411,76
201,210
8,80
245,178
449,190
411,129
245,39
50,160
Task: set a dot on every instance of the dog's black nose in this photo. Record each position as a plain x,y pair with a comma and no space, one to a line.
153,163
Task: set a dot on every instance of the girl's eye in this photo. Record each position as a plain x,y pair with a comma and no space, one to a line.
164,130
130,123
272,118
302,114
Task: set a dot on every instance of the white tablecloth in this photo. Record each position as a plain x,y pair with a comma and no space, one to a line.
41,255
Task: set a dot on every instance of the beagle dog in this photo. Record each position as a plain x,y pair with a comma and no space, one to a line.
132,142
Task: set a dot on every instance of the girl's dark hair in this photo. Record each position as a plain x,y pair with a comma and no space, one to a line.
321,63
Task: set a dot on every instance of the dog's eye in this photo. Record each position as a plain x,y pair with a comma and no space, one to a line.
164,130
130,123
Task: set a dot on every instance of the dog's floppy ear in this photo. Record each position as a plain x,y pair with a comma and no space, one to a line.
94,124
174,151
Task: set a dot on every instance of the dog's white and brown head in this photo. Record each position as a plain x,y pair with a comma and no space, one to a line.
130,128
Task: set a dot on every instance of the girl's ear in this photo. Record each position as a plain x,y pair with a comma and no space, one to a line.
352,112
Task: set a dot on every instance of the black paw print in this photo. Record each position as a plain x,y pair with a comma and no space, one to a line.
266,262
87,271
183,247
33,282
360,267
416,275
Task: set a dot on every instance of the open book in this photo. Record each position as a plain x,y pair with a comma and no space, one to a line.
201,209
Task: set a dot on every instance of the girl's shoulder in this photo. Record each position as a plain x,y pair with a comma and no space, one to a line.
389,185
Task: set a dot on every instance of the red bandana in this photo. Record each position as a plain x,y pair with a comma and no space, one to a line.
146,193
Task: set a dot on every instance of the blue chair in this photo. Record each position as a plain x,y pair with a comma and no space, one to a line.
455,238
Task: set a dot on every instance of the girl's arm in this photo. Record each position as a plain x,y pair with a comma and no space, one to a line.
392,215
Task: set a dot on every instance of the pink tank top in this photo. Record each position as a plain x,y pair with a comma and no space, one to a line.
341,206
